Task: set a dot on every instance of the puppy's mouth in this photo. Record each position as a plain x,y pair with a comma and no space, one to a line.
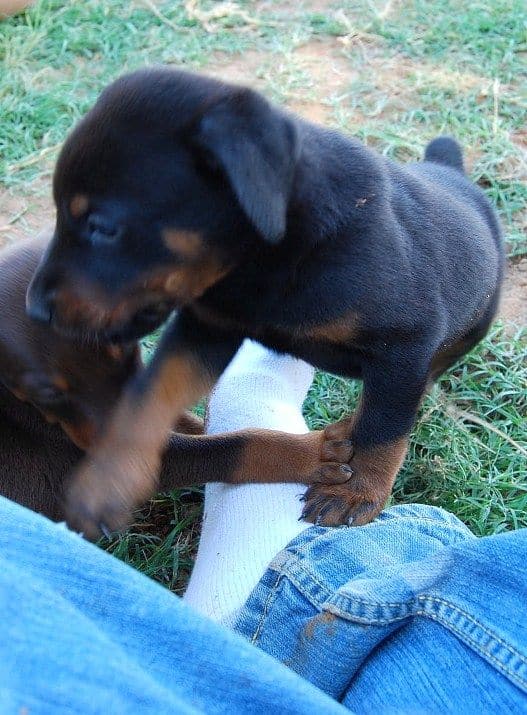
144,321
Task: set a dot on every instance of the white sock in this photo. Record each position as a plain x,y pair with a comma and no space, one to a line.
245,526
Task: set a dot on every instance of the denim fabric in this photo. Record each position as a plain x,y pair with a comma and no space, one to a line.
83,633
411,613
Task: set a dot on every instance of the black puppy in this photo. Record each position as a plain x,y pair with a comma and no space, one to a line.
178,191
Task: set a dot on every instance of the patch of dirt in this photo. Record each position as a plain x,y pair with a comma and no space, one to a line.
306,78
238,69
330,74
315,78
519,137
513,305
25,213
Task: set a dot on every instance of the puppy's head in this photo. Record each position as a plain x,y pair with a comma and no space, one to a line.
73,383
161,190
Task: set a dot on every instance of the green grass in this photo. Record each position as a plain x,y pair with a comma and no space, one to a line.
407,71
162,541
471,35
55,58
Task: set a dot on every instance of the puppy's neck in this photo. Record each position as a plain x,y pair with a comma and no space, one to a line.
336,177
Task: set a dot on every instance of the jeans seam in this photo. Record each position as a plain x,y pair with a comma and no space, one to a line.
265,611
342,612
364,602
473,620
300,587
482,651
332,608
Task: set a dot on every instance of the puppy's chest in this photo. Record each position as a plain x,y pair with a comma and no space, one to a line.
338,332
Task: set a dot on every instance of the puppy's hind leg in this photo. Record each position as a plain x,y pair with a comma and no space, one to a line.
450,354
378,433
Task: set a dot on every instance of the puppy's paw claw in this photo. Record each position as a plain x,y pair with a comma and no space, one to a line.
105,530
333,473
340,504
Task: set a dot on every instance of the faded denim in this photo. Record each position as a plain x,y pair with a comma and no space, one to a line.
409,614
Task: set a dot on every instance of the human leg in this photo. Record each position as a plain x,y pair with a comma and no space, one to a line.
245,526
409,612
84,633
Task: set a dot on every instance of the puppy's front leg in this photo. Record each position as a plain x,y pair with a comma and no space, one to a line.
378,434
122,469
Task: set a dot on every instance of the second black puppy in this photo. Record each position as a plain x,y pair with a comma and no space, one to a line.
178,191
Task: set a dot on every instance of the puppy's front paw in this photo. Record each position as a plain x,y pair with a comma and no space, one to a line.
104,493
365,491
334,458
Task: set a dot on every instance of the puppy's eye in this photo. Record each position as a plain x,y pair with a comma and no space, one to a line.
206,161
49,395
102,229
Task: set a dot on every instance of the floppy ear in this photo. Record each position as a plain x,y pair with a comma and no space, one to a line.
257,148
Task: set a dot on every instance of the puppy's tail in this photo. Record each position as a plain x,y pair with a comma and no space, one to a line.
446,151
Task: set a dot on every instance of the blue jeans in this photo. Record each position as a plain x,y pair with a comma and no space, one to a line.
409,614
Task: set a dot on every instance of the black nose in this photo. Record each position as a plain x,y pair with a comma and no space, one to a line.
103,229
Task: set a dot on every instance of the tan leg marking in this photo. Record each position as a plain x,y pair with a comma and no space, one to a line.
270,456
122,471
362,498
338,331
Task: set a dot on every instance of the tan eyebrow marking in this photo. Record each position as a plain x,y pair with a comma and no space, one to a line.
60,383
79,205
188,244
